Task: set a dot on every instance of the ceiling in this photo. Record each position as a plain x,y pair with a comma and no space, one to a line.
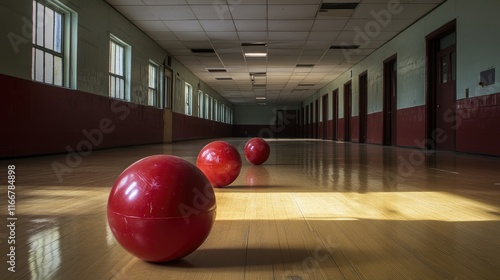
303,40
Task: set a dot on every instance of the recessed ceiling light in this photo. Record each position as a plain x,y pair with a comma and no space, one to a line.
255,54
224,79
260,98
305,65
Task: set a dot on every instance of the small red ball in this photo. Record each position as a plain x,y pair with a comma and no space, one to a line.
161,208
257,151
220,162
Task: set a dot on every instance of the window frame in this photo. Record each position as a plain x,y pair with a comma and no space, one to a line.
68,43
126,64
155,100
188,99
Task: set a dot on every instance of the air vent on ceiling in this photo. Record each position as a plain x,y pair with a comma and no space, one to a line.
216,70
305,65
306,85
224,79
254,44
344,47
203,52
333,10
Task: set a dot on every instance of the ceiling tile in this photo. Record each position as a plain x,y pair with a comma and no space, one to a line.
222,35
217,25
172,12
191,36
253,36
292,12
220,12
288,36
329,24
162,2
151,25
248,11
183,25
290,25
251,25
135,13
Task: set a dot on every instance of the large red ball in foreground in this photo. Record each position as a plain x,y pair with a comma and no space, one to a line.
257,151
161,208
220,162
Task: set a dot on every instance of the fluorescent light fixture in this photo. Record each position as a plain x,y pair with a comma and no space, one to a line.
255,54
260,98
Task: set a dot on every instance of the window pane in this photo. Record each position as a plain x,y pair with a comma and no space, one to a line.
58,71
120,60
152,76
39,65
33,20
122,88
39,24
58,33
112,88
33,63
49,68
49,28
112,57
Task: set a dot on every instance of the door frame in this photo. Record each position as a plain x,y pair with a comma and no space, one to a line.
432,48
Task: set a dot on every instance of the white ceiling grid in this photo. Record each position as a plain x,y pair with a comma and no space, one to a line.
295,31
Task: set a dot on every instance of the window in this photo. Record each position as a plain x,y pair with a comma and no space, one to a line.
216,113
54,44
207,106
200,104
119,69
153,85
188,90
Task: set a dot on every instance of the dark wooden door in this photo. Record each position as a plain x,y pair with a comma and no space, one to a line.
325,116
347,111
446,99
363,110
335,113
390,102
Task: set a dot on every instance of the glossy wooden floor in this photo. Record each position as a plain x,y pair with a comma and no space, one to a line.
315,210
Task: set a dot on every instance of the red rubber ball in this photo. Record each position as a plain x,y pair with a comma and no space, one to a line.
161,208
220,162
257,151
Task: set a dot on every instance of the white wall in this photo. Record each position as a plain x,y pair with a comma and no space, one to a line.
478,46
258,114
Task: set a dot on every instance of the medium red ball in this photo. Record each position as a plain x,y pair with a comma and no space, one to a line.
220,162
161,208
257,151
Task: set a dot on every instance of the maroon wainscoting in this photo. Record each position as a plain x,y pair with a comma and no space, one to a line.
341,130
329,128
478,125
375,127
43,119
354,129
188,127
411,127
241,130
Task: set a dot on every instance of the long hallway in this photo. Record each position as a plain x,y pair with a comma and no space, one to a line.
315,210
